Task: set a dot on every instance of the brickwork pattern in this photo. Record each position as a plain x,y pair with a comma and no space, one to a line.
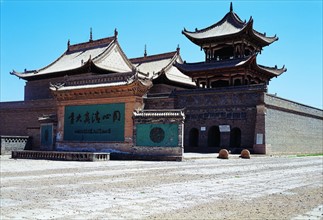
293,131
163,102
39,89
17,117
206,108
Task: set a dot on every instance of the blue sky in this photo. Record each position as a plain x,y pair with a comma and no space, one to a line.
35,33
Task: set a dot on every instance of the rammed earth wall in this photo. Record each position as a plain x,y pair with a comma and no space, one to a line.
292,127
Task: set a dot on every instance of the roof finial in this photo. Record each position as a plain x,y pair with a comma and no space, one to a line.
68,44
145,53
178,49
231,7
90,34
115,33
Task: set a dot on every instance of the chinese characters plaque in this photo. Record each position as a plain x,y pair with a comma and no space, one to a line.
103,122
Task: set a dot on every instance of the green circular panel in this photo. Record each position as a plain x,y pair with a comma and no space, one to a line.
157,135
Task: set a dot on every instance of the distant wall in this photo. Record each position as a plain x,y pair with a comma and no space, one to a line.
163,88
39,89
292,127
21,118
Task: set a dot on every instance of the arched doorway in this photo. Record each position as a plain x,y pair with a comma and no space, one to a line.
194,137
235,137
214,137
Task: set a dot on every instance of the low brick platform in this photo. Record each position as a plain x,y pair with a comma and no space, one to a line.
121,156
59,155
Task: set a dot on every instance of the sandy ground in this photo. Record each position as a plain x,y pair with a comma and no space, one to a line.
196,188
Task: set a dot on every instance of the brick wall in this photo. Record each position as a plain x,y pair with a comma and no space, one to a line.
16,117
163,88
39,89
292,127
159,102
206,109
21,118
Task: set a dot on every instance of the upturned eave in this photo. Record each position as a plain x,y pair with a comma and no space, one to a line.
228,29
202,69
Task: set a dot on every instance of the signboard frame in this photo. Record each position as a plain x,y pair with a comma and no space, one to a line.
95,123
224,128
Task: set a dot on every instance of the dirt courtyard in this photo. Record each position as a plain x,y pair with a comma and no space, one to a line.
197,188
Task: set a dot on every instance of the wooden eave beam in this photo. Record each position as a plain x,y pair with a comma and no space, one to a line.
133,89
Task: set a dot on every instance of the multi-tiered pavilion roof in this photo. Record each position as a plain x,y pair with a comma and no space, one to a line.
231,47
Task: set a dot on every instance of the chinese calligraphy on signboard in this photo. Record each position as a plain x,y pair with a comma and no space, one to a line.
103,122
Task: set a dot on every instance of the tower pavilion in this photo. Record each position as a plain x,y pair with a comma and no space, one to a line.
231,47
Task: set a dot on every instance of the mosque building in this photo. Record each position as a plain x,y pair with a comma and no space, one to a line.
94,98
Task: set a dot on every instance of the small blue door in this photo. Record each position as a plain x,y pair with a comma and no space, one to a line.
46,136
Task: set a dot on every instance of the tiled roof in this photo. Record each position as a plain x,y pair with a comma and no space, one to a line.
104,53
274,70
250,61
155,57
204,66
91,44
160,113
154,66
62,87
229,25
131,87
160,65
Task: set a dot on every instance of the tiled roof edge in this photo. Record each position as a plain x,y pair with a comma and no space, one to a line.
153,57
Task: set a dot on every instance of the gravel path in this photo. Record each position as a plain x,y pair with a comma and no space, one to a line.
208,188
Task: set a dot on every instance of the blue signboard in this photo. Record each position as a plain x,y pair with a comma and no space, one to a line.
103,122
157,135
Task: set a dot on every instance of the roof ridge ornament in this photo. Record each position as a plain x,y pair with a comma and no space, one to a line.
178,49
231,7
145,52
115,33
91,35
68,44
